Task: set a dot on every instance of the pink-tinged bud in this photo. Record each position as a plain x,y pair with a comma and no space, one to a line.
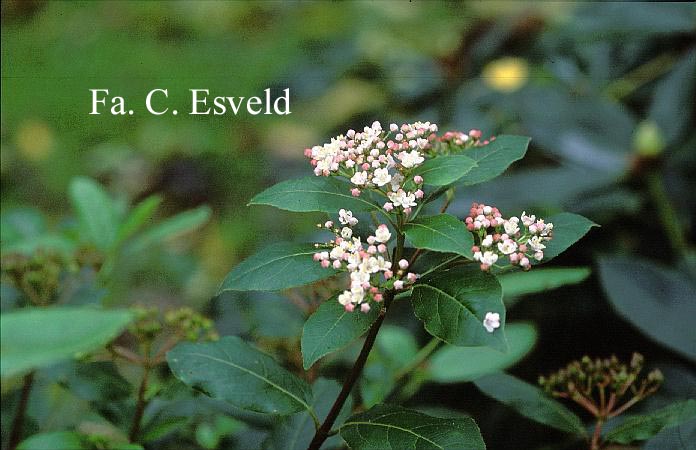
366,166
504,237
477,225
339,240
475,249
470,226
325,263
381,248
496,237
328,224
371,239
388,206
308,152
485,267
365,307
523,248
313,162
350,133
407,210
350,307
398,285
412,277
337,264
469,220
355,192
388,274
419,193
403,264
514,258
374,290
475,133
533,228
485,142
418,179
363,254
317,257
524,262
378,297
539,256
365,285
371,249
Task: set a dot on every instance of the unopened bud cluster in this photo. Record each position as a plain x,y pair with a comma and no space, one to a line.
602,385
37,275
384,160
368,263
518,239
183,322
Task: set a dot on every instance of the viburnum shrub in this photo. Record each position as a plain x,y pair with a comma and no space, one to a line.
387,239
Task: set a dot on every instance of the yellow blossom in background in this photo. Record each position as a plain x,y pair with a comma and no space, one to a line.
506,74
34,139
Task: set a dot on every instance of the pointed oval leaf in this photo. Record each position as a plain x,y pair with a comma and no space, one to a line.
453,364
492,159
55,439
453,303
441,233
568,228
278,266
388,426
657,300
95,211
177,225
542,279
234,371
138,216
325,194
331,328
644,426
531,402
444,170
38,337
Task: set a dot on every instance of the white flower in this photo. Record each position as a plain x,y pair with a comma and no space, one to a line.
382,234
489,258
527,220
403,199
411,159
381,177
346,233
491,321
396,181
507,247
346,218
487,241
345,298
511,226
478,256
336,253
536,243
359,179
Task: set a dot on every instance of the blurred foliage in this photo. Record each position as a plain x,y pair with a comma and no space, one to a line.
605,90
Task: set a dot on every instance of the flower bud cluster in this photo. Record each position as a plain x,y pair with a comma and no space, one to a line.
183,322
600,384
518,239
368,264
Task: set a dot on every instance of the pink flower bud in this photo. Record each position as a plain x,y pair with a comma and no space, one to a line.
388,274
325,263
485,267
365,307
412,277
381,248
328,224
350,307
371,239
337,264
366,166
523,248
355,192
371,249
308,152
388,206
398,285
470,226
316,257
475,249
403,264
407,210
475,133
419,193
374,290
418,179
378,297
469,220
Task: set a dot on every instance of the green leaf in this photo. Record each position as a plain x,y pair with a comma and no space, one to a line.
494,158
453,364
326,194
444,170
331,328
177,225
568,228
238,373
55,440
540,280
657,300
95,211
679,437
530,402
278,266
34,338
296,432
441,233
453,303
645,426
138,217
387,426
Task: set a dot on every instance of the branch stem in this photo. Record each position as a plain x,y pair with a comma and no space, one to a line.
18,422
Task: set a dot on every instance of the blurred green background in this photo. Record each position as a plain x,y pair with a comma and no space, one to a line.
605,90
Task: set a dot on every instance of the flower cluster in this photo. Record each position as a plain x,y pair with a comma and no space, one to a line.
518,239
368,264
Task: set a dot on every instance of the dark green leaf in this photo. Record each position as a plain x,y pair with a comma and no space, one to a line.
494,158
238,373
182,223
33,337
680,437
568,228
444,170
386,426
327,194
453,303
138,217
441,233
95,211
457,364
55,440
531,402
540,280
278,266
657,300
645,426
331,328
